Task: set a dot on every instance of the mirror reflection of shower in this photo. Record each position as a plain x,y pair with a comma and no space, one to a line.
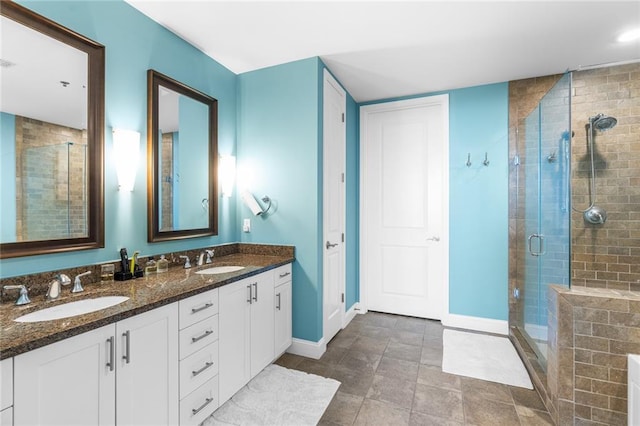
594,214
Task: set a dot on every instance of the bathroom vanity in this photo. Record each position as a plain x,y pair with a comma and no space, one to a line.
181,345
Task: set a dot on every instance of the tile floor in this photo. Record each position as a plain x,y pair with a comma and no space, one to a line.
390,371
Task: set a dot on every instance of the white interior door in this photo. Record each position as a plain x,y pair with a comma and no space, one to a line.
334,158
404,206
634,390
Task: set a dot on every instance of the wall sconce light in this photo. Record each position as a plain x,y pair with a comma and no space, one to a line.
253,205
126,147
227,174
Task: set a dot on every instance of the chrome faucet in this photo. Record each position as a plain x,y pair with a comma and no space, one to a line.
187,263
23,299
55,286
200,259
209,256
77,284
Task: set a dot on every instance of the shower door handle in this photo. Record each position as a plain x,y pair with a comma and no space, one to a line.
541,250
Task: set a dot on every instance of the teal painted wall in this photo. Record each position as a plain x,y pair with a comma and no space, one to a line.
478,204
135,43
279,156
478,200
8,176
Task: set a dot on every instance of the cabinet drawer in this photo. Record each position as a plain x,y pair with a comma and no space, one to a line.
199,404
198,335
198,307
198,368
283,274
6,383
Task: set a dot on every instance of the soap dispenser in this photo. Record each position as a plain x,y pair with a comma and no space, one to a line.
162,265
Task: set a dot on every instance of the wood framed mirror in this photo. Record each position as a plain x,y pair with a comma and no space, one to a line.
182,147
52,139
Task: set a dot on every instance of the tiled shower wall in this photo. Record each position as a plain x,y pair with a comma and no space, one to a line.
605,256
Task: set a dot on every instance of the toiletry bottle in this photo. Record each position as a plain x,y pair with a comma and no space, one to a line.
162,265
150,267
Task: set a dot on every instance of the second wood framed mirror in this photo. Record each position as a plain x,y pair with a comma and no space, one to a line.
182,197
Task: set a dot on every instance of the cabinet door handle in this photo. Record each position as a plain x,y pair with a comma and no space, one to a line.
250,294
206,365
278,304
127,354
112,354
202,336
207,401
255,297
285,274
201,308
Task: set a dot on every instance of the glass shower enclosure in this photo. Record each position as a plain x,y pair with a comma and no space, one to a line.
544,207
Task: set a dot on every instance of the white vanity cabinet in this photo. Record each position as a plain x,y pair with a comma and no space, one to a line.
6,392
68,382
283,309
147,369
199,364
246,331
73,381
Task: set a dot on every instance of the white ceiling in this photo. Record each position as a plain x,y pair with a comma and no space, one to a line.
382,49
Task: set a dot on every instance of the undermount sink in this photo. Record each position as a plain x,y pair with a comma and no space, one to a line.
72,309
220,270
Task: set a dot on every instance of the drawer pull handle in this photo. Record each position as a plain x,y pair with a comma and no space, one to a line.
255,286
201,308
250,294
285,274
206,333
278,305
206,365
207,401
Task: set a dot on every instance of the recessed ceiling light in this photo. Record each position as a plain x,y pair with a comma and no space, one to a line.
629,35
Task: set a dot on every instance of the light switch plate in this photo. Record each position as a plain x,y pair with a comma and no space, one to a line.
246,225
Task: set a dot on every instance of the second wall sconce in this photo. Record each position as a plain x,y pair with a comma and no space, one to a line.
253,205
126,149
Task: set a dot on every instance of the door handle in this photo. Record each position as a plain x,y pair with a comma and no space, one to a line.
541,250
328,245
255,297
434,238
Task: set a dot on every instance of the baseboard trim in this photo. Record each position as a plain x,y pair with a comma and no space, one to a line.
308,348
486,325
350,314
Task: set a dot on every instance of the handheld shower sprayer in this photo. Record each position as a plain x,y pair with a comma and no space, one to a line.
594,214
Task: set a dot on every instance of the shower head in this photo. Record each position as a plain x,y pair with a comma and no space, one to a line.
603,122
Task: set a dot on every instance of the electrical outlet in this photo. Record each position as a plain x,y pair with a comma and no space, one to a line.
246,225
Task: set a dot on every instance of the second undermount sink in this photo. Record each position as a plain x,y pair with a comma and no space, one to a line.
220,270
72,309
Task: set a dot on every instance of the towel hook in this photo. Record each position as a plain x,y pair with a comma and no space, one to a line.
468,163
486,159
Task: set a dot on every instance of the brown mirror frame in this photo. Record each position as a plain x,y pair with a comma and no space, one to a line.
95,135
154,81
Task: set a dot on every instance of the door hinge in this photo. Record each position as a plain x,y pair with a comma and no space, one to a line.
343,237
342,297
343,117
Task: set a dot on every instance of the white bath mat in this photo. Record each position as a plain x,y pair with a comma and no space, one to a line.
483,357
277,396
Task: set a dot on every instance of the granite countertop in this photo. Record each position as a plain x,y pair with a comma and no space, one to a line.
144,294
